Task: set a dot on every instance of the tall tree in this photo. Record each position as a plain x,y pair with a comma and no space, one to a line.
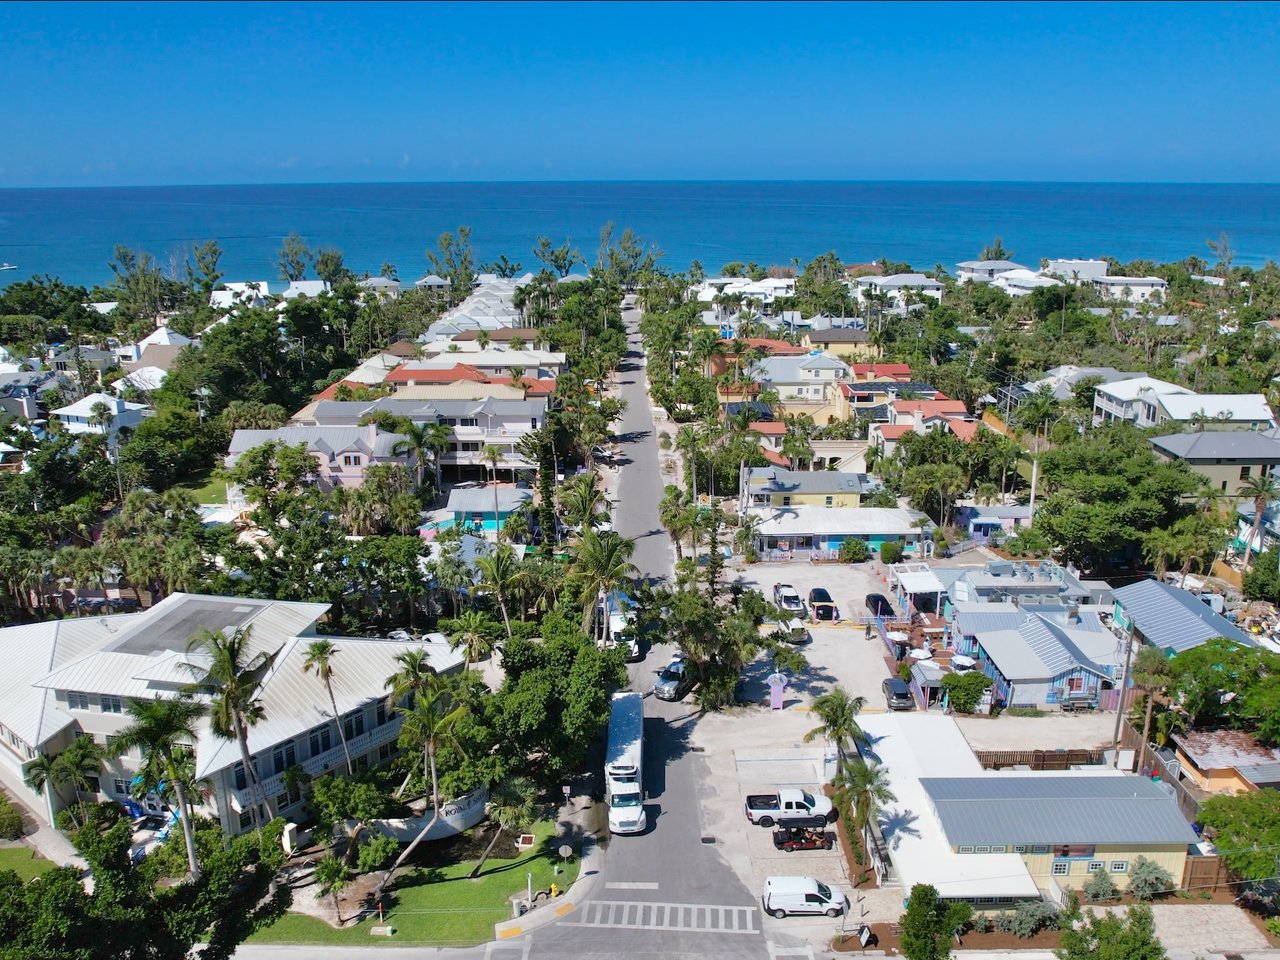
1262,490
560,259
497,569
294,258
1151,675
330,267
164,729
603,564
234,676
453,260
320,655
838,713
865,787
513,806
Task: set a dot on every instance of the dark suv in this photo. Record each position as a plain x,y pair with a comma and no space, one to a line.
897,695
879,605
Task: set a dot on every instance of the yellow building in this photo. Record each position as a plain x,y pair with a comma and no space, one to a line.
997,838
843,342
1226,761
777,488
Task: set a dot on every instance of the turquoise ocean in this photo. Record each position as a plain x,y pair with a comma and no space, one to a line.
71,233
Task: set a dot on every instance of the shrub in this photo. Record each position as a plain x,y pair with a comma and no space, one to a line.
1070,910
1147,879
964,690
904,670
854,551
890,552
1033,916
1025,712
981,923
1100,886
1273,926
376,852
10,820
1004,922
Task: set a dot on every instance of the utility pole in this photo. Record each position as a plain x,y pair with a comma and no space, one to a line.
1124,684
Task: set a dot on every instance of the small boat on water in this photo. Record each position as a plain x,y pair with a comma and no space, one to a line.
8,266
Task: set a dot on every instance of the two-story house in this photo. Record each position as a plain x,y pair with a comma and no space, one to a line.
1225,458
1212,411
1131,400
805,384
1131,289
774,487
73,678
100,413
898,286
984,271
342,454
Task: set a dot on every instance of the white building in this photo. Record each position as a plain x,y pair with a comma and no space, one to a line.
897,286
161,336
69,678
1131,289
1019,283
984,271
809,378
1213,411
305,288
1131,400
1076,271
81,417
247,293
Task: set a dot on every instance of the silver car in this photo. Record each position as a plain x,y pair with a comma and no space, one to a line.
673,682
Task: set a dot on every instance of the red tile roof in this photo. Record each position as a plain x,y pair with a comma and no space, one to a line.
931,408
894,431
777,459
460,373
328,392
964,429
768,428
893,371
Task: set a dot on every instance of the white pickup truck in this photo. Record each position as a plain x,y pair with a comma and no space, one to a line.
792,808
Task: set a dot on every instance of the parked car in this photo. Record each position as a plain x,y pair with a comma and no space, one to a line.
879,605
788,631
791,839
783,896
786,598
821,606
897,695
673,682
790,807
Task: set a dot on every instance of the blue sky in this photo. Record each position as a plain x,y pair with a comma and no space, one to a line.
101,94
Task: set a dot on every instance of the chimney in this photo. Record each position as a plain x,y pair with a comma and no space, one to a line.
372,427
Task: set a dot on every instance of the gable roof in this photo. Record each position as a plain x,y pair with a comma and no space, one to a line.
798,482
325,440
1174,619
1126,390
840,335
1234,406
1220,445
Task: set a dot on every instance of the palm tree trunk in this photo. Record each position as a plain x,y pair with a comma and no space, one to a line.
487,851
435,804
342,736
251,774
502,605
1146,731
188,835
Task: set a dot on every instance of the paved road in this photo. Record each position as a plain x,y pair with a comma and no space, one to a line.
639,481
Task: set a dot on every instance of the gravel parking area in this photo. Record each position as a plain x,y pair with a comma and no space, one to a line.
1205,928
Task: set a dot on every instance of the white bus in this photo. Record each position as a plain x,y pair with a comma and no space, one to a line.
624,764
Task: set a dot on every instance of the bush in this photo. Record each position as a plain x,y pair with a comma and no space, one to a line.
1273,926
890,552
1004,922
981,923
964,690
376,852
1100,887
10,820
1033,916
854,551
1070,910
1147,879
1025,712
904,670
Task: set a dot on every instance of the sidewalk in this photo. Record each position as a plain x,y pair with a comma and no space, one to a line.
575,816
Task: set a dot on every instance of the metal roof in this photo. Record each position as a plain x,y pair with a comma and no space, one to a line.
1174,619
850,521
777,480
1220,445
1077,808
481,499
1009,651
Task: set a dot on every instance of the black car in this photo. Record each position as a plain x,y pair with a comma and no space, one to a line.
821,606
879,605
897,695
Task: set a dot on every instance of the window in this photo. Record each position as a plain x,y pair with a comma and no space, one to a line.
999,848
786,501
1244,473
95,786
385,751
1040,848
1119,866
1095,866
381,713
533,423
1020,848
120,787
469,422
245,819
360,763
241,781
966,849
1061,868
283,758
351,460
1075,684
353,724
321,741
831,501
112,705
77,701
449,421
982,848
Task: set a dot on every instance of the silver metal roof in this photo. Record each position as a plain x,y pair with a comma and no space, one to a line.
1174,619
1075,808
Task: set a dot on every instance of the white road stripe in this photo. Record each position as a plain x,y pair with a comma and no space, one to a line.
683,917
631,885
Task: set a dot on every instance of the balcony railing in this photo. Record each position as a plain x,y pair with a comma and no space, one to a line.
322,763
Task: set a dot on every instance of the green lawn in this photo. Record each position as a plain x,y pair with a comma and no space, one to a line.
21,861
205,487
439,905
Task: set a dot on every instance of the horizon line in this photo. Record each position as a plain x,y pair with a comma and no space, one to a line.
645,181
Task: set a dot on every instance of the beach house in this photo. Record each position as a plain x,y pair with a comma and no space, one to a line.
1171,619
343,455
1131,400
764,487
1225,458
984,271
897,287
100,413
1131,289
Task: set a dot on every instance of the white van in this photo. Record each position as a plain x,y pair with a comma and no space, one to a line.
785,896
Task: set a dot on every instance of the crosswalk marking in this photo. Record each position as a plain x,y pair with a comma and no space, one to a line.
506,950
687,918
775,951
630,885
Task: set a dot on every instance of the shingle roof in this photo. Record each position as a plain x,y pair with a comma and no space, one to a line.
324,440
1069,809
1173,619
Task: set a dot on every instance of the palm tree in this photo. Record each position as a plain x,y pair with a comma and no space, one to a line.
73,767
675,515
513,805
235,677
1157,544
986,492
331,876
416,443
320,654
1262,490
603,563
492,455
496,572
431,720
471,637
839,715
688,440
164,729
1152,676
796,448
865,787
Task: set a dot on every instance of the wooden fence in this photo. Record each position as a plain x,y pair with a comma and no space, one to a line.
1188,796
1038,759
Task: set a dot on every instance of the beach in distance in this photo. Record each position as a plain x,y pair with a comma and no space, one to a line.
71,232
